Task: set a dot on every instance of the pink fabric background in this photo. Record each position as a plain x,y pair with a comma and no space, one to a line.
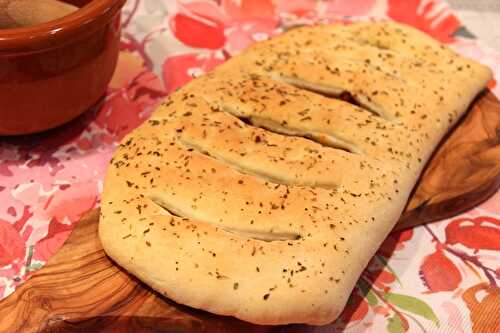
436,278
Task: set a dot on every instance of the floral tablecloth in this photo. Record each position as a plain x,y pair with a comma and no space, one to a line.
442,277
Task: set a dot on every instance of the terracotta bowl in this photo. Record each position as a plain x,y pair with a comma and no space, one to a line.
52,72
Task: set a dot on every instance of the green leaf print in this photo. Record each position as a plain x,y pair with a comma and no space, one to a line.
367,292
389,268
34,266
395,325
413,305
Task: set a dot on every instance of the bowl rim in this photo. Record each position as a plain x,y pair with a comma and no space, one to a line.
87,18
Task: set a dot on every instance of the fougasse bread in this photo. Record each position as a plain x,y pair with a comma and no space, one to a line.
262,189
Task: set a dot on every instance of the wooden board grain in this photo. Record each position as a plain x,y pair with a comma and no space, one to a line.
82,290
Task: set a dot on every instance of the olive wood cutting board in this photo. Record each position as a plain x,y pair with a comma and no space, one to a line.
82,290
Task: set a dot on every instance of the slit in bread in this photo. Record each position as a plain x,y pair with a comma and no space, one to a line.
269,236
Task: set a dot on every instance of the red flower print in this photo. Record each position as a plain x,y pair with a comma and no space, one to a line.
134,93
381,279
356,308
395,241
179,70
231,25
424,15
70,204
246,10
56,236
12,245
198,29
475,233
119,115
299,8
5,168
350,7
492,84
12,242
439,273
242,36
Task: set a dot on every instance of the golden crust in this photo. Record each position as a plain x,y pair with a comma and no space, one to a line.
252,194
